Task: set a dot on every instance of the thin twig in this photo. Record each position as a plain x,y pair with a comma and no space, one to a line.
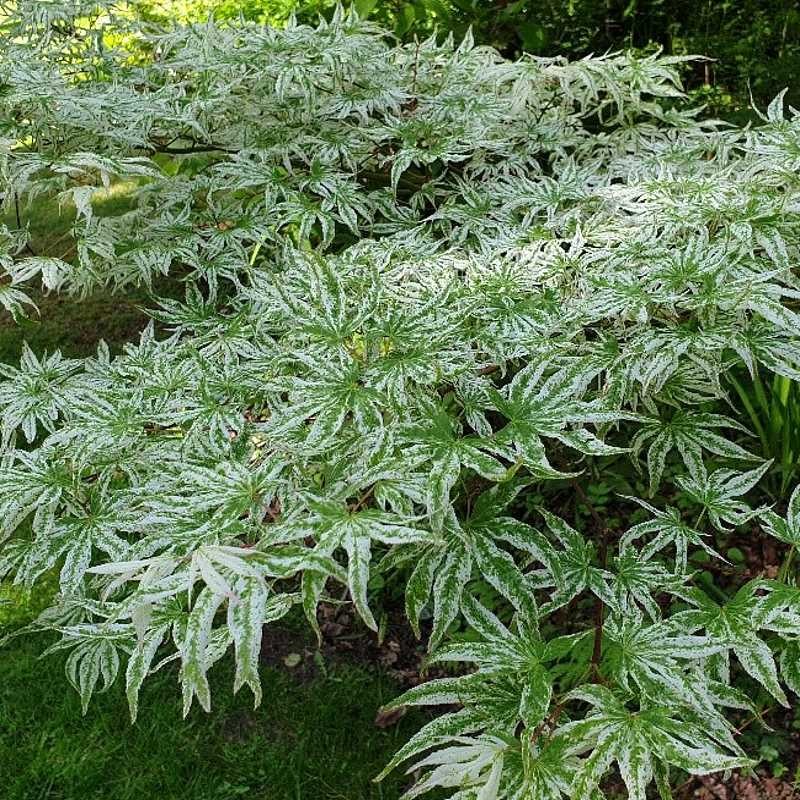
197,148
547,722
359,504
19,224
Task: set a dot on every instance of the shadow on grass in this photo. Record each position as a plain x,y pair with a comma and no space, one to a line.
72,325
308,740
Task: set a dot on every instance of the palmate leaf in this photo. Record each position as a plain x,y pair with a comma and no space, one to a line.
790,666
658,662
440,730
326,399
536,408
735,625
512,686
499,569
76,538
53,271
784,620
323,303
335,526
669,529
228,579
15,301
538,770
87,663
94,654
420,583
467,761
414,347
443,569
35,395
512,683
636,741
689,434
228,490
520,657
93,523
437,445
486,527
785,529
776,350
574,567
719,493
636,581
246,618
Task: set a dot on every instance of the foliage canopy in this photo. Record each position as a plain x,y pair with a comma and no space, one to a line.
434,300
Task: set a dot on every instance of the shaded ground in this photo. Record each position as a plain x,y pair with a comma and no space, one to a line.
397,653
316,739
740,787
114,318
74,326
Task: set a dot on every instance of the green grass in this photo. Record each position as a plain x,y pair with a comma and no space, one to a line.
308,740
49,220
311,738
75,326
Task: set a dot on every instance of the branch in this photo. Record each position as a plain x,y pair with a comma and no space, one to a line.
19,224
548,722
197,148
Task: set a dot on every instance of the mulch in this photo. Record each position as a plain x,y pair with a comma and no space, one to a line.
398,654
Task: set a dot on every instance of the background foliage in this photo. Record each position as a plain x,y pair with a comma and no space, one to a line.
754,44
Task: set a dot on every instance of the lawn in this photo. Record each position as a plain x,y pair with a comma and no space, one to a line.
60,323
309,739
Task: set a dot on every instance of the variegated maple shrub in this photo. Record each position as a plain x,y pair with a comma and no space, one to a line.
467,324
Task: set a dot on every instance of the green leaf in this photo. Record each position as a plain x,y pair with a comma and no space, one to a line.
420,583
246,617
195,655
364,7
448,589
790,666
139,666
